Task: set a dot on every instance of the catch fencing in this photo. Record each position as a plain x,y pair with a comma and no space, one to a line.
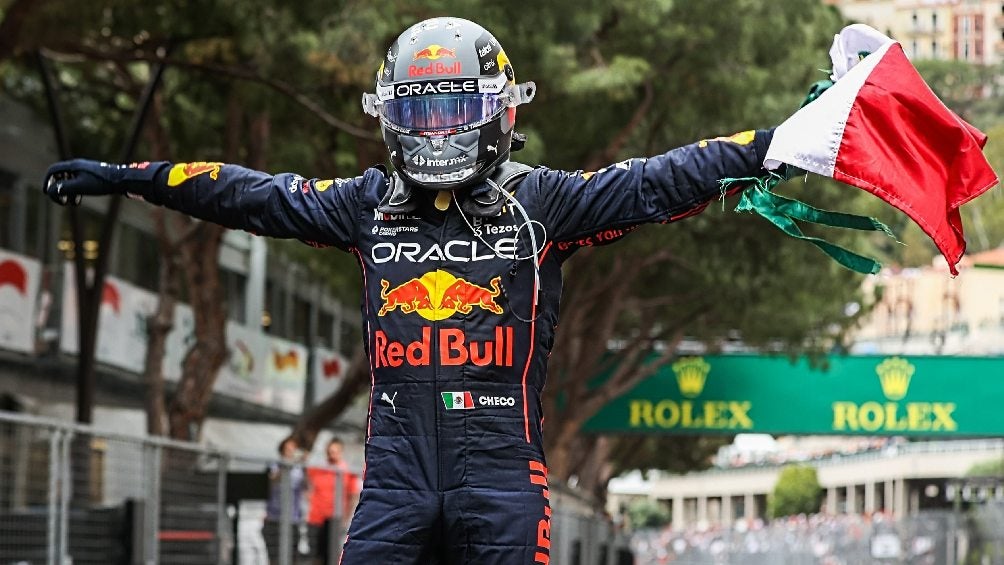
73,494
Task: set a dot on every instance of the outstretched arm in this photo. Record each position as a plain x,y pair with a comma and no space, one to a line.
319,212
663,188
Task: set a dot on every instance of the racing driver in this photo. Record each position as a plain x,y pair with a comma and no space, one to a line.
461,252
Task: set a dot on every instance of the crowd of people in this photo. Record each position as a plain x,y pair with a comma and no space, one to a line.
819,539
802,451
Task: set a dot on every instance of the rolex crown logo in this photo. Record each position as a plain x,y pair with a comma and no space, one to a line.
894,375
691,373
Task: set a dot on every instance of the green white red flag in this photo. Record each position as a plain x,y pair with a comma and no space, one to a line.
881,128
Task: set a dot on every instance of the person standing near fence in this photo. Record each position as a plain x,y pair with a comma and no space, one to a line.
325,485
291,462
290,458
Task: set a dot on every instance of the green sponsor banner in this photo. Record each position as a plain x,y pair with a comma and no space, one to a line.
871,395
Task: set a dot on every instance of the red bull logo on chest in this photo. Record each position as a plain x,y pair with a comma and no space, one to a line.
438,295
452,347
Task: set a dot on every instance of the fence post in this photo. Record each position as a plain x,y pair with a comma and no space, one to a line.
285,514
151,506
222,531
65,491
52,532
335,533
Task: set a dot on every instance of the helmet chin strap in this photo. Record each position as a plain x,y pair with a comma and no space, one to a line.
398,198
484,201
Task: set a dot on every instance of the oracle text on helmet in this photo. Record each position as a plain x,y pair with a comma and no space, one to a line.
440,87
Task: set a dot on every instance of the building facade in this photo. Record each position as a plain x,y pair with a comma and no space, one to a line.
963,30
287,333
899,480
924,311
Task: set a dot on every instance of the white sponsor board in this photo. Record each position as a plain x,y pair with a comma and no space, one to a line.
327,372
259,368
19,283
286,373
121,321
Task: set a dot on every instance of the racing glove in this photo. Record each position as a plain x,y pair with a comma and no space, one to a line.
67,181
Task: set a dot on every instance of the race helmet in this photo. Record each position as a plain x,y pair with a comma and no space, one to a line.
446,96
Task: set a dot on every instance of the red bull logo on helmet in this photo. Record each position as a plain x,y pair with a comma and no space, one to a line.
438,295
433,53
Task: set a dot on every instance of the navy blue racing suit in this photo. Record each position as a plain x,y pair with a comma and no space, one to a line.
457,330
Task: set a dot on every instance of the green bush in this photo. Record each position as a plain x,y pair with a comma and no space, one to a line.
989,468
647,513
797,492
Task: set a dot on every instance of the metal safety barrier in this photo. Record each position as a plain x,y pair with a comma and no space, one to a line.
74,494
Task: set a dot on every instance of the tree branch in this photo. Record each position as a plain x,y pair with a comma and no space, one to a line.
227,70
356,377
10,29
610,152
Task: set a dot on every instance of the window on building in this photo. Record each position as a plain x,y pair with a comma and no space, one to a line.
352,334
138,258
235,293
300,322
916,20
914,49
934,49
965,52
934,21
91,225
37,211
325,329
272,316
9,226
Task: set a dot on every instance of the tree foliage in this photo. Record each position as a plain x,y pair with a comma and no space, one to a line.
988,468
647,513
797,492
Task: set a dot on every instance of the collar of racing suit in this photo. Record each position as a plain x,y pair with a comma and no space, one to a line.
484,200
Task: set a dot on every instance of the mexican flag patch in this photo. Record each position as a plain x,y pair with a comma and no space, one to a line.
458,400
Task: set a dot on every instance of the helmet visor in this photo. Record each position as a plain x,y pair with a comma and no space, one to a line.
441,111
